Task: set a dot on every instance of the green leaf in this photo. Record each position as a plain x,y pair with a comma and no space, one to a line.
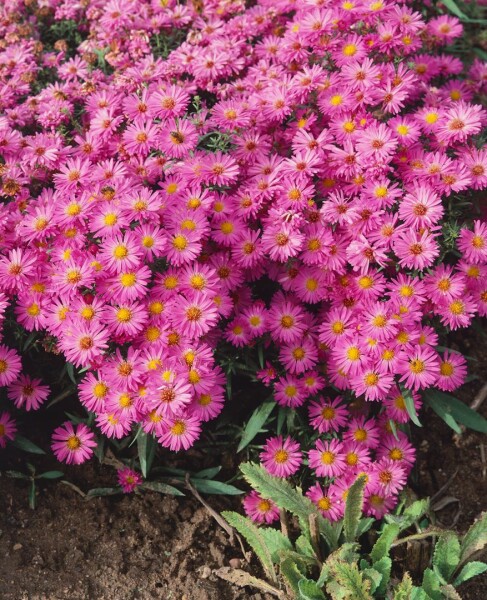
373,576
208,473
279,491
475,539
255,539
384,566
276,542
418,594
353,509
308,590
70,372
383,544
364,525
450,593
404,589
471,569
449,407
146,448
162,488
26,445
106,491
256,421
292,574
50,475
409,403
210,486
446,556
453,8
414,512
303,546
351,580
432,584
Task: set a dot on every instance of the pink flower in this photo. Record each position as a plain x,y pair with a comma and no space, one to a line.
73,445
8,428
180,433
10,365
420,369
28,393
453,371
327,501
327,415
281,457
128,479
259,509
327,459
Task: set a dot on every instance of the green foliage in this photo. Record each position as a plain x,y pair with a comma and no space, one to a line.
353,509
255,423
453,411
254,537
347,570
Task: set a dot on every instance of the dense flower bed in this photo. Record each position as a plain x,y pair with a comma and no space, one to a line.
296,177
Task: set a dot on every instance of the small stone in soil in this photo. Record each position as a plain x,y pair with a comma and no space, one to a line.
235,563
17,547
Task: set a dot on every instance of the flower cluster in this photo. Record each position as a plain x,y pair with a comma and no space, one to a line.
153,198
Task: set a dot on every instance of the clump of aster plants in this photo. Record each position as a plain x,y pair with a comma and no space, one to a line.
290,182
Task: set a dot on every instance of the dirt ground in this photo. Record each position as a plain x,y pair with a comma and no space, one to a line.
150,546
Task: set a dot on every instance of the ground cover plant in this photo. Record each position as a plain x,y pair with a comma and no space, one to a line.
287,191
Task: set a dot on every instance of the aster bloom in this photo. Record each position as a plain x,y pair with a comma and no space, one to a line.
281,457
327,501
473,244
259,509
128,479
453,371
420,369
391,476
194,316
327,415
8,429
82,344
10,365
73,444
180,433
27,392
327,458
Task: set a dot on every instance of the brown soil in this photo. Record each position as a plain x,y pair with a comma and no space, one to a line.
112,548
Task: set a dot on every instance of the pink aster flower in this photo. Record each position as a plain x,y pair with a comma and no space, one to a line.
82,344
421,207
73,444
327,501
290,391
473,244
419,369
259,509
373,383
453,370
128,479
300,356
10,365
415,250
180,433
391,477
328,415
281,457
327,459
27,393
194,316
8,428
